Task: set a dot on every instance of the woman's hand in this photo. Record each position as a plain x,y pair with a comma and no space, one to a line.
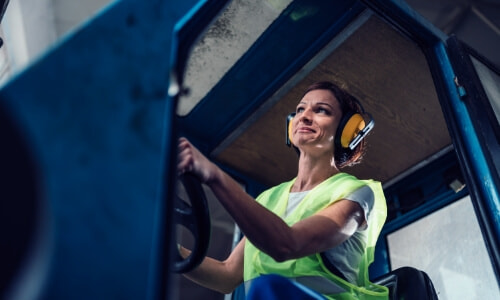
190,159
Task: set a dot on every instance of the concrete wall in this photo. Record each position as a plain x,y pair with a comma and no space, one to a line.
30,27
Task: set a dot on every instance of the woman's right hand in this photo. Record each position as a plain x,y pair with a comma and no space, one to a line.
192,160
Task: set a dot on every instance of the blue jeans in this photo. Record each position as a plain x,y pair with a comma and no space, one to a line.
278,287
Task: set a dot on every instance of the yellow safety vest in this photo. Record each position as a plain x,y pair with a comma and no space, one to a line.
311,269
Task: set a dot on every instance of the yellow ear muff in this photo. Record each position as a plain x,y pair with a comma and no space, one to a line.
290,133
353,126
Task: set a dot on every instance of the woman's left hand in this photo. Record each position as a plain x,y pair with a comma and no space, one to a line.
190,159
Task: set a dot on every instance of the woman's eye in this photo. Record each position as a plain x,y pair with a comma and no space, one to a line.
299,109
323,110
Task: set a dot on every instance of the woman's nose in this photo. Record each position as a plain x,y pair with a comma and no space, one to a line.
305,116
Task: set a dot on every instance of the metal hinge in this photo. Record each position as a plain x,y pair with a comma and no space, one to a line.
460,89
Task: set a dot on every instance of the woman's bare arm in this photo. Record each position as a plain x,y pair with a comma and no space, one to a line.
263,228
268,232
222,276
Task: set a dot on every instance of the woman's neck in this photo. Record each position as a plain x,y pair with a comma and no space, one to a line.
312,171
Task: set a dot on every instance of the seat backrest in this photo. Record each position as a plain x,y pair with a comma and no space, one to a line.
409,284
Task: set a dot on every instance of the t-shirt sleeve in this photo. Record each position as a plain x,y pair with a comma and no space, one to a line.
365,197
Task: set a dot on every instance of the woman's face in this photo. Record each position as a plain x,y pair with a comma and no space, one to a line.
315,123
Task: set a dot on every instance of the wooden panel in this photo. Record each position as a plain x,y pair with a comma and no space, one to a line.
389,74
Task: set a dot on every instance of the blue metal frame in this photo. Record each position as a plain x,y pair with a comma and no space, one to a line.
399,14
248,84
233,95
436,193
485,194
479,177
96,113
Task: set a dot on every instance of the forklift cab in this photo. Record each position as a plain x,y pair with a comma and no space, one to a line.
101,141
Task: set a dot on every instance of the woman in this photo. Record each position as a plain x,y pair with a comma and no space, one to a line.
318,229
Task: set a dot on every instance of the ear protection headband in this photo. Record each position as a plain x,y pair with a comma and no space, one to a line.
352,129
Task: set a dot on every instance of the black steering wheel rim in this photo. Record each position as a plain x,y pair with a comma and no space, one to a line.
195,217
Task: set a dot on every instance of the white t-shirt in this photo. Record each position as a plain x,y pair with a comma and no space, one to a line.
346,256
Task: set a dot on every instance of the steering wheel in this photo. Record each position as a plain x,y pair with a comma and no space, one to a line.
195,218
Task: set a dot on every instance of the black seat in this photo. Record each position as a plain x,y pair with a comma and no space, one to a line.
409,284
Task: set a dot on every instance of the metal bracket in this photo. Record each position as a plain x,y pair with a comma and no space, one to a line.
460,89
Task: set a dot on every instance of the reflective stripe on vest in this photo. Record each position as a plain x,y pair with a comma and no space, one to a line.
317,283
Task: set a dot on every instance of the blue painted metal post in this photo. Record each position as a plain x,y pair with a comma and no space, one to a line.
488,193
98,120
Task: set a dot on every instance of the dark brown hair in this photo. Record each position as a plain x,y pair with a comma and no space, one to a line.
344,157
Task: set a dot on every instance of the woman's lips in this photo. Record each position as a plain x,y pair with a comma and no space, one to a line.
305,129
